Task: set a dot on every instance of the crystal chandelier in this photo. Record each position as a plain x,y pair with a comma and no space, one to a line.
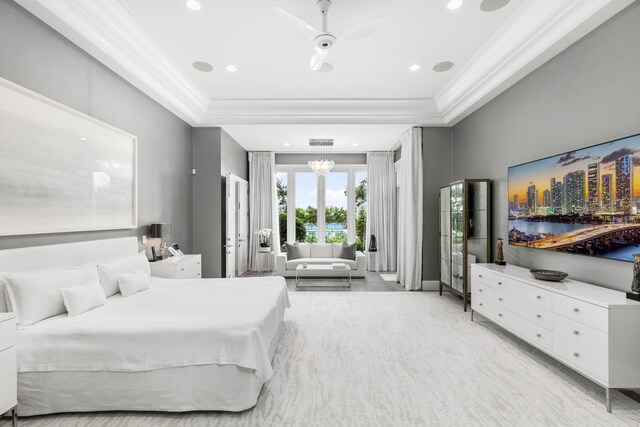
321,165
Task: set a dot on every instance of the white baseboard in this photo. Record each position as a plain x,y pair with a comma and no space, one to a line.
430,285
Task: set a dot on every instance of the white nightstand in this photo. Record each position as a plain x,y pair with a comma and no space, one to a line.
8,366
186,267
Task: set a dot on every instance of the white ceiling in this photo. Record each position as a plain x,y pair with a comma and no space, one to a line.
370,97
368,137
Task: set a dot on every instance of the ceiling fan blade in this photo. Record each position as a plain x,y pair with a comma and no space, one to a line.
309,30
361,29
318,59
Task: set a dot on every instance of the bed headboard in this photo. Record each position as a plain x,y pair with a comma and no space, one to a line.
63,256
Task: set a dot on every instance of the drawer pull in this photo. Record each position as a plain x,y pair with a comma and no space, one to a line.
198,263
575,310
500,314
499,299
479,290
499,283
576,333
538,335
538,315
479,275
182,269
480,304
538,297
576,355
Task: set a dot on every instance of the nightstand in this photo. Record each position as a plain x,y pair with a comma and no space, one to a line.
185,267
8,366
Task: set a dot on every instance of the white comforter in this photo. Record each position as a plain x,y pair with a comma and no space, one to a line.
173,324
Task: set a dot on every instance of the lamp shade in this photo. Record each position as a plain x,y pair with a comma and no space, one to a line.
161,231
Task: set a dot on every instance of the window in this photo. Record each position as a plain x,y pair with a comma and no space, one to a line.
329,209
281,184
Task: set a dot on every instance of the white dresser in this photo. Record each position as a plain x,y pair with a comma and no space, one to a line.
8,365
185,267
593,330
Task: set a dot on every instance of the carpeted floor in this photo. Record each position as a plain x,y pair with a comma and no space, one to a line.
398,359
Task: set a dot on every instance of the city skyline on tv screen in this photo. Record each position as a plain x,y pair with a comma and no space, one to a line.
585,201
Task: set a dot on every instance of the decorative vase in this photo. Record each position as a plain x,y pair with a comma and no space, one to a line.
264,249
373,247
635,284
500,257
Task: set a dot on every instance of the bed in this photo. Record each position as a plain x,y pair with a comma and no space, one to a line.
182,345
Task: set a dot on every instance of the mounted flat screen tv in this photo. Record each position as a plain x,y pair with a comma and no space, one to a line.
582,202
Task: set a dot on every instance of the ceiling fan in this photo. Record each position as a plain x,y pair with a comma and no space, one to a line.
325,40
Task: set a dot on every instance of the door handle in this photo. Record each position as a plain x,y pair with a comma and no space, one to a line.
227,246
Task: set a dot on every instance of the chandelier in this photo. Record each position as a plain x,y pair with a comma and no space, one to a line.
321,165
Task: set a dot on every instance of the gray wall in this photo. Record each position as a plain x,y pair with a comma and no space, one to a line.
35,56
588,94
215,154
302,159
436,157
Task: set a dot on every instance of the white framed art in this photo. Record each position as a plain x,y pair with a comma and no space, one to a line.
62,170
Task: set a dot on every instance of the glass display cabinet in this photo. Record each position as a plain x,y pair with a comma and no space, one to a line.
464,233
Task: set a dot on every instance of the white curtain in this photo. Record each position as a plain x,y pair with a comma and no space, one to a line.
263,205
410,212
381,208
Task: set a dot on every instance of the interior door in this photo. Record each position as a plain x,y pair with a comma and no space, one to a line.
242,225
231,242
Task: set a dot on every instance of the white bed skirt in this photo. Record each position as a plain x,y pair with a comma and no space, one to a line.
189,388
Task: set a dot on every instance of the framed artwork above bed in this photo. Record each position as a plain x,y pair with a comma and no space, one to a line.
62,170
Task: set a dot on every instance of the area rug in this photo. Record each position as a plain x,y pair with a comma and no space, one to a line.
388,277
398,359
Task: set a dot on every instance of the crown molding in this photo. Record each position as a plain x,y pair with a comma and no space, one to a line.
107,30
535,33
322,111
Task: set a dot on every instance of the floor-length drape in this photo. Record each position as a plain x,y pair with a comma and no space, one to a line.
263,204
410,212
381,208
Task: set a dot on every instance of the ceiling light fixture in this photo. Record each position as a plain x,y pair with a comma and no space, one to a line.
355,144
193,4
454,4
286,144
322,165
415,67
232,68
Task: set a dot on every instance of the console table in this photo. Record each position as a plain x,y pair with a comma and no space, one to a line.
591,329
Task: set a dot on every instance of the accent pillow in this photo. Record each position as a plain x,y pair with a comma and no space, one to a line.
109,271
78,299
348,251
130,283
293,251
36,295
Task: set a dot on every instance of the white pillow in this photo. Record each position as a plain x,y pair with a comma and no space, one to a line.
109,271
130,283
78,299
36,295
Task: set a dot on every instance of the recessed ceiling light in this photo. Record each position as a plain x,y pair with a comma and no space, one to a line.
286,144
355,144
414,67
443,66
232,68
205,67
492,5
83,139
454,4
193,4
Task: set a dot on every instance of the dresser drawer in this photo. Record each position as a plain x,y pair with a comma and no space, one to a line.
8,363
191,273
582,334
591,362
530,332
583,312
533,313
189,263
481,297
8,392
483,276
7,334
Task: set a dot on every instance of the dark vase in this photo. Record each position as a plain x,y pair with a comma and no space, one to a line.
373,247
